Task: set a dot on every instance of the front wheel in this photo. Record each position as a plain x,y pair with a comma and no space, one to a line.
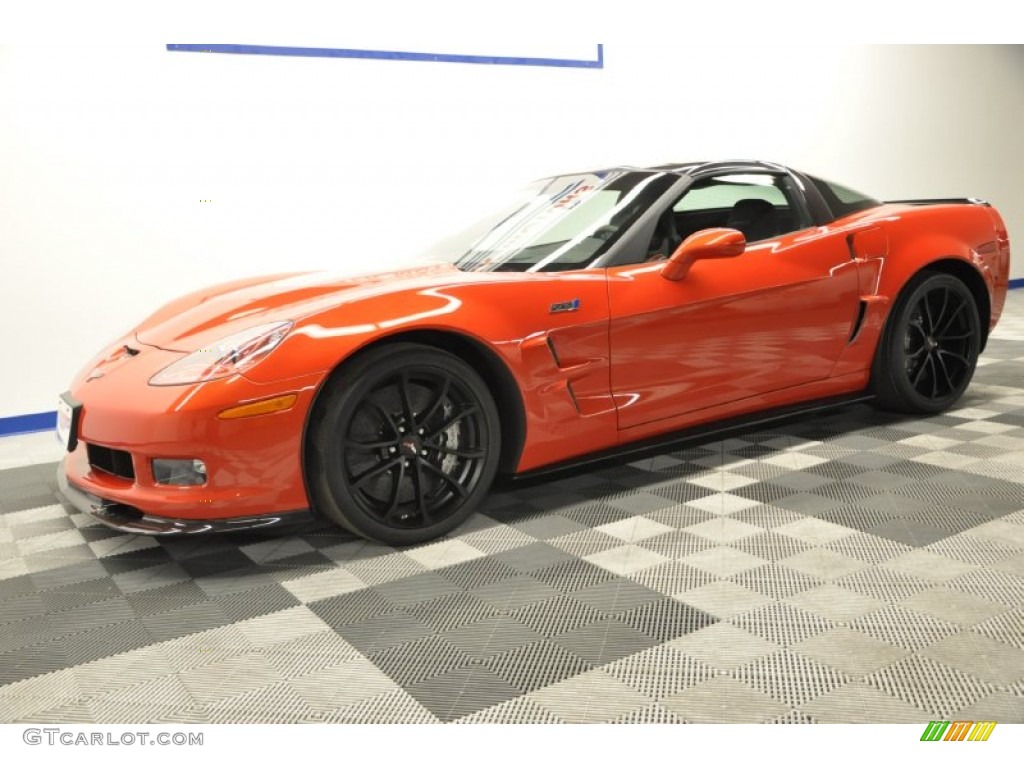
927,354
403,444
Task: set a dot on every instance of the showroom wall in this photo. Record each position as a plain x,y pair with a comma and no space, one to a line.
131,175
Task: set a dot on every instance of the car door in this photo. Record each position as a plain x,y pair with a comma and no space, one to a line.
774,317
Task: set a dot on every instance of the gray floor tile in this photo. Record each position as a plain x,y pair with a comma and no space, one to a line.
660,671
850,651
982,657
491,637
593,697
954,606
724,700
930,685
1000,706
724,646
616,596
461,691
604,641
791,677
537,665
858,702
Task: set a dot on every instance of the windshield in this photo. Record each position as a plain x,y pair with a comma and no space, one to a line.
565,222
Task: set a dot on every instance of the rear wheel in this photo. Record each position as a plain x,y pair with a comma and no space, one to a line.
929,350
403,444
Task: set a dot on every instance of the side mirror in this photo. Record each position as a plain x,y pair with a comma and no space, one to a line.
718,243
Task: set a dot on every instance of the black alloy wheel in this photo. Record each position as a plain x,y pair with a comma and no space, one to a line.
404,443
930,347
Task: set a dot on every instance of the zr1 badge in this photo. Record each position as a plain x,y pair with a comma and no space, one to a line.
565,306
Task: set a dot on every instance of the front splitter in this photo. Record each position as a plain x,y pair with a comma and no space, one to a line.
127,519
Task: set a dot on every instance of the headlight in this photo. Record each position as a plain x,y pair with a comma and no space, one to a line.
226,357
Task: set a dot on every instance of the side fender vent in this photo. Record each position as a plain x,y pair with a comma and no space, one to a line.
862,309
572,395
554,352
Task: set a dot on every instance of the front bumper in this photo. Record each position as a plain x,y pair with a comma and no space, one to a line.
254,464
127,519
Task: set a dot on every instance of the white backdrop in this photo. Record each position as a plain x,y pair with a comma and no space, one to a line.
131,175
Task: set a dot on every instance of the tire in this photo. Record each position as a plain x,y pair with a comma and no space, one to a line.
403,444
929,348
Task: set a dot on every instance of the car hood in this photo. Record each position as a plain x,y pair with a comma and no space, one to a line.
202,318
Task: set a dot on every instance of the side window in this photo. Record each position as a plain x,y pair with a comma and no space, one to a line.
842,200
760,205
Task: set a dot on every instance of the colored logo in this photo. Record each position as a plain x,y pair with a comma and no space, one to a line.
958,730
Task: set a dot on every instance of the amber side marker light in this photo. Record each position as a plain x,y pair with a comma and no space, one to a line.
259,408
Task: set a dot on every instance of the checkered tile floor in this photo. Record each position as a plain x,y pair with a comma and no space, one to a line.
856,567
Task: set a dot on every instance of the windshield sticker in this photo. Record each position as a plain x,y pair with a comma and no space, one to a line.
521,229
572,195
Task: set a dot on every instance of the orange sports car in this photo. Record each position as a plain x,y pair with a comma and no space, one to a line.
597,310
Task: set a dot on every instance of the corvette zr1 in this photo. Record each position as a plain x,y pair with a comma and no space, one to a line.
597,310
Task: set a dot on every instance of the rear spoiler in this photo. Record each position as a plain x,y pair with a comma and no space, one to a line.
942,201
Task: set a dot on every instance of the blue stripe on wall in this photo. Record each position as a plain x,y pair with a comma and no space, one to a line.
357,53
1017,282
30,422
